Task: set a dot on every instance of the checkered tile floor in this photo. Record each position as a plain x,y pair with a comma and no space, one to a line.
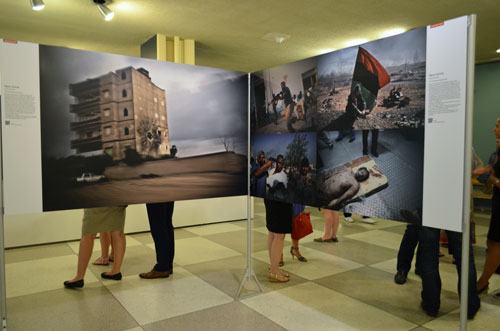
345,285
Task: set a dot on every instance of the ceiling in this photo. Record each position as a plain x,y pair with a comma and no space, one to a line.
229,33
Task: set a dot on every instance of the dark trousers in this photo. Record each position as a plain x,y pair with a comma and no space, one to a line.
429,267
374,140
407,249
162,230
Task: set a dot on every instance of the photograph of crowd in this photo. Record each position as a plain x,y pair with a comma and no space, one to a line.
378,85
283,167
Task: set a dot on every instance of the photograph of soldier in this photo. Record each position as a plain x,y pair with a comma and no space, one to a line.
285,98
382,187
377,85
285,167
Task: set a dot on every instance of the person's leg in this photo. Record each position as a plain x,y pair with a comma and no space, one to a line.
431,282
276,251
374,142
160,221
365,142
105,240
288,118
270,238
340,136
455,244
84,254
119,243
352,136
335,224
294,250
407,248
328,215
491,264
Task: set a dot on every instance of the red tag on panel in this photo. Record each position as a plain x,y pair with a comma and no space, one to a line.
436,25
10,41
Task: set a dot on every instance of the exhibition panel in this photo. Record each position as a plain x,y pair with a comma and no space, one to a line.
105,135
377,111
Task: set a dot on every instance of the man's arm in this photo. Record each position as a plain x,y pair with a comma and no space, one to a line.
259,171
349,193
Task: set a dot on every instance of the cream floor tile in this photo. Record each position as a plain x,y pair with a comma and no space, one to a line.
205,230
481,241
310,306
154,300
198,249
36,252
41,275
487,318
319,264
377,237
74,245
135,329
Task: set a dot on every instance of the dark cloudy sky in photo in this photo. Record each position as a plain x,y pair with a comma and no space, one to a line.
390,51
203,104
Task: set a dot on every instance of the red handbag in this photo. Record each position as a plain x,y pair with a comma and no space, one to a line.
301,226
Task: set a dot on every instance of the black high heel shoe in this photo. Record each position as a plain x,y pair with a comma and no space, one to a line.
300,258
75,284
117,276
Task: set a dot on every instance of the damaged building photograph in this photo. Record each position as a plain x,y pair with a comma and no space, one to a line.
117,128
385,182
380,84
285,98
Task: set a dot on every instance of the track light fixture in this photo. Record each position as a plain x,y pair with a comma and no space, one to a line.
107,13
37,4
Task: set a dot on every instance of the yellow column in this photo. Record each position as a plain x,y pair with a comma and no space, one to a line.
174,49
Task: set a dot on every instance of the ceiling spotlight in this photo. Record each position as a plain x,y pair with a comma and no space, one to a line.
37,4
107,13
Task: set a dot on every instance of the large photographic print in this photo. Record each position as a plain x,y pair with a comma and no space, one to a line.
386,183
285,98
283,167
120,130
378,85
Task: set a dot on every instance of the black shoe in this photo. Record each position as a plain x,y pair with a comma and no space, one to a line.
428,312
400,277
117,276
75,284
339,138
352,139
374,153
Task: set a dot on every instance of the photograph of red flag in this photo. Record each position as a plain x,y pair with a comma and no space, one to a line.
370,75
377,85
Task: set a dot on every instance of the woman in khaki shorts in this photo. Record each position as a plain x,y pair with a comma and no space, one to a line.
101,219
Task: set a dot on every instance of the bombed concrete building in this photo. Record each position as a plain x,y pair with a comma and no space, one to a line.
118,111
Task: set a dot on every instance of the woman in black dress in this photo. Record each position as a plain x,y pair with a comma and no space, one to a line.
279,217
493,239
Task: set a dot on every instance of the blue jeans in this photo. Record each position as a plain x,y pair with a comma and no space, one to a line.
429,268
407,249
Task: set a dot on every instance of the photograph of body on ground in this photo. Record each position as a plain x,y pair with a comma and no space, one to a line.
377,85
285,98
386,183
283,167
121,130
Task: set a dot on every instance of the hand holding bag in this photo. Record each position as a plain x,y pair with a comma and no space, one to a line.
302,226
